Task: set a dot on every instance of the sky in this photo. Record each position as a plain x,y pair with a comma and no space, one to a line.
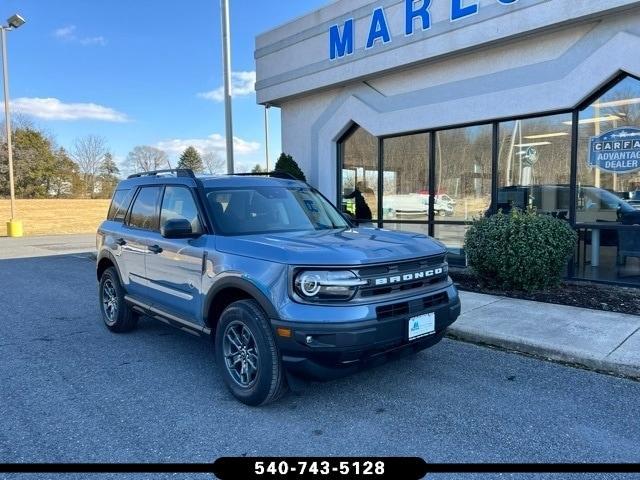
143,72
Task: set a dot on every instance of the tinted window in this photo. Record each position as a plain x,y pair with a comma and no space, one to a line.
119,205
178,202
271,209
144,213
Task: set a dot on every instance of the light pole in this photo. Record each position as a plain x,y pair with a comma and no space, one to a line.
266,133
14,226
226,68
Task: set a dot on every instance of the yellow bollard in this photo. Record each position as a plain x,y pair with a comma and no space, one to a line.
14,228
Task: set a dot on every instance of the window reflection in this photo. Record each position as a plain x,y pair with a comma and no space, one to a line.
405,178
608,185
360,175
463,172
616,110
534,165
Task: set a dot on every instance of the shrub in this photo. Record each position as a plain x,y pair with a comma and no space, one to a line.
286,163
520,250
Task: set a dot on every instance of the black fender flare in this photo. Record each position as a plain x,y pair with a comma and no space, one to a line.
108,255
235,280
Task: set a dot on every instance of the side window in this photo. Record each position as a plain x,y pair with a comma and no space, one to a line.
119,205
144,213
178,202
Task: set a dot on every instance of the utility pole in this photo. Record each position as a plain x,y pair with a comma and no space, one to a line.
226,67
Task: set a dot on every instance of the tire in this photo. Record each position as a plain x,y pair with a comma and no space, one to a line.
244,340
116,314
442,213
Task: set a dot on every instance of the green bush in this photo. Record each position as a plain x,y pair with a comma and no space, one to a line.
286,163
519,250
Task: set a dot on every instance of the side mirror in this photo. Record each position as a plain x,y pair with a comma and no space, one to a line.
176,228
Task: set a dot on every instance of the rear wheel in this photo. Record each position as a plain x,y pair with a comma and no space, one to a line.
247,354
116,314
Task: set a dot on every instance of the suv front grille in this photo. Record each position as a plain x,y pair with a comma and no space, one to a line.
402,276
414,307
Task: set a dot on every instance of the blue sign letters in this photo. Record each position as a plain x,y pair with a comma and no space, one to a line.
342,37
422,12
379,28
616,151
459,11
339,46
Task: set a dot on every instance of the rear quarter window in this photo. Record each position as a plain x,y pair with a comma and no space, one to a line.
119,205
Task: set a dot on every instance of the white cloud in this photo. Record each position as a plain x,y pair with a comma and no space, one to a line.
68,34
65,33
99,40
242,84
54,109
214,142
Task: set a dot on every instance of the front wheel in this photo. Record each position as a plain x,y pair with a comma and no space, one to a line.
247,354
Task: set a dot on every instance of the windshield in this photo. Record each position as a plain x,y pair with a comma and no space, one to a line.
272,209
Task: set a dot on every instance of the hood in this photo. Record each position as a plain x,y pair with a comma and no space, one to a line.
332,247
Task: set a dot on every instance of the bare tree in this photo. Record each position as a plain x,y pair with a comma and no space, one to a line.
89,152
145,158
213,162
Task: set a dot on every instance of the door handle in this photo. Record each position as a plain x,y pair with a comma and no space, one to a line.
121,241
155,249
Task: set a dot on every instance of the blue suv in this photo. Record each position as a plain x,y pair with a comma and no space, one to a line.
273,272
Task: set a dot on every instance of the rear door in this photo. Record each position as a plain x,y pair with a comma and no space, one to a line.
174,266
141,221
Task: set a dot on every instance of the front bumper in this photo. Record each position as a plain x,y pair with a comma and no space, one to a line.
337,349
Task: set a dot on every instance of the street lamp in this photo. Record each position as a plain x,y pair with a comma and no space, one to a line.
14,226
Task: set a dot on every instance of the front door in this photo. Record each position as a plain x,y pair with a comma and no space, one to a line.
174,266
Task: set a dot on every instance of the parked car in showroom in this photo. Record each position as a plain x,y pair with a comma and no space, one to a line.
273,272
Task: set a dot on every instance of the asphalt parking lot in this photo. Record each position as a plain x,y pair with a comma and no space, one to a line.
71,391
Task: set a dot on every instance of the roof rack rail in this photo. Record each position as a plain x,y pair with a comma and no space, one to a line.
274,174
180,172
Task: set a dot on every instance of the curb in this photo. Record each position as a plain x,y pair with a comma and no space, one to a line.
586,361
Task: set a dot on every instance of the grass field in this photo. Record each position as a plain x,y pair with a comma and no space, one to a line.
55,216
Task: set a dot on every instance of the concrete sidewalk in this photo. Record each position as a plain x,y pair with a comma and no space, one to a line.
47,245
603,341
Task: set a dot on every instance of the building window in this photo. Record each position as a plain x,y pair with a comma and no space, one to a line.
463,173
534,165
405,179
608,185
359,195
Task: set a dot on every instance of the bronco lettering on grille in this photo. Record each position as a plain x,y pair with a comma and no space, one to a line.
407,277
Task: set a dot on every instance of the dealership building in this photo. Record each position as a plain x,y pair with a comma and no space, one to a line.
433,112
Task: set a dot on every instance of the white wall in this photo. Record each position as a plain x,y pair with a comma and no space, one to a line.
294,58
551,70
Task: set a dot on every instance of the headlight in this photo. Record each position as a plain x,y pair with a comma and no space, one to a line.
316,285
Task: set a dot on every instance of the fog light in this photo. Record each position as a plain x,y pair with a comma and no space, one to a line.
309,339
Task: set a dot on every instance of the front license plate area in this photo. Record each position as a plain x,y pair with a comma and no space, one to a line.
422,325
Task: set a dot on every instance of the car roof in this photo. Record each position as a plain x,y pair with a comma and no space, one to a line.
210,181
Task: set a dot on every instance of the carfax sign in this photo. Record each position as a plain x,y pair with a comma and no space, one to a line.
616,151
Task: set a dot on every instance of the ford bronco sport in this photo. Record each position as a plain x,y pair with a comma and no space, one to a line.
273,272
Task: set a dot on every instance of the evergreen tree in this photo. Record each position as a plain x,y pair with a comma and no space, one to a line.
286,163
190,158
109,172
